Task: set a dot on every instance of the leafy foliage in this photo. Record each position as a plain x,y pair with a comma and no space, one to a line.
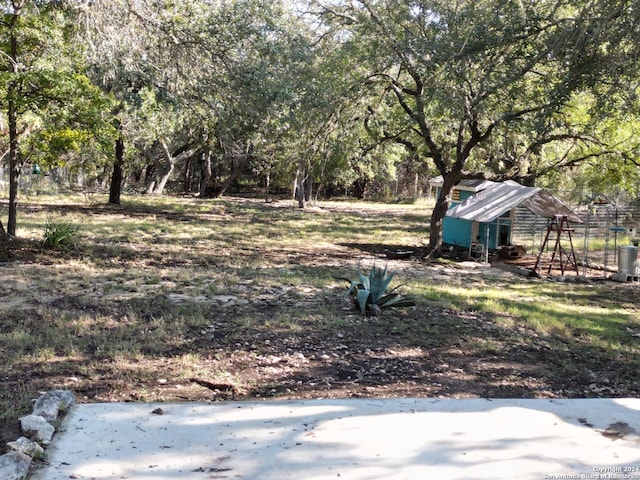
328,95
475,86
370,292
50,109
59,234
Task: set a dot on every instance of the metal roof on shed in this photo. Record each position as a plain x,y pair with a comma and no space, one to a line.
498,198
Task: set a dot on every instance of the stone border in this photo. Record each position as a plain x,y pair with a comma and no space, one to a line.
38,429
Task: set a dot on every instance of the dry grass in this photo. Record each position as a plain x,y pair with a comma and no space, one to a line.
145,276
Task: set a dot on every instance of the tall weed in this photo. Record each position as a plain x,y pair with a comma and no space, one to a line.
59,234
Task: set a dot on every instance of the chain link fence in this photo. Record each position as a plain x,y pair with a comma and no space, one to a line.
599,244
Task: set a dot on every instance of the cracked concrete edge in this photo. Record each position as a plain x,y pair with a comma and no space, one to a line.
15,464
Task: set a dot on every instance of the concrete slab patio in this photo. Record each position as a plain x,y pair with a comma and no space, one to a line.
359,439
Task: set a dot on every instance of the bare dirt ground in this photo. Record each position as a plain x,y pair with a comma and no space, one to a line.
262,340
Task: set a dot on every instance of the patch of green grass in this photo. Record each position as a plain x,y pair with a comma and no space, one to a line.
15,401
283,322
562,308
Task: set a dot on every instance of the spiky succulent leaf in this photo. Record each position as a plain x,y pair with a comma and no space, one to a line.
382,301
395,288
395,300
353,288
379,282
363,298
365,281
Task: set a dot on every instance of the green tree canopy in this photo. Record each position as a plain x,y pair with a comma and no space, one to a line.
48,103
458,79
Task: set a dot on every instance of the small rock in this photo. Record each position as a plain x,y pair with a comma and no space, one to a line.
223,298
37,425
14,466
26,446
49,404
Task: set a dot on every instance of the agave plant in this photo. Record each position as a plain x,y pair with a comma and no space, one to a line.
369,292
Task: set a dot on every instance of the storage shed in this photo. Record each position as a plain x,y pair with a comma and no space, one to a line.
482,212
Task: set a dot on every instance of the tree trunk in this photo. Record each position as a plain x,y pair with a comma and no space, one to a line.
206,173
308,189
267,182
239,169
14,166
166,172
294,187
299,190
12,119
359,188
154,167
150,188
165,163
116,178
439,212
299,195
188,176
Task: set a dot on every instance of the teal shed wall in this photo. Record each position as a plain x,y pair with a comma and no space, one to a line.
457,232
